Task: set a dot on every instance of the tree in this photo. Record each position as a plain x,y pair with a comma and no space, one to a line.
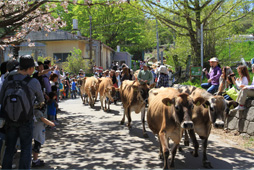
114,25
185,17
75,62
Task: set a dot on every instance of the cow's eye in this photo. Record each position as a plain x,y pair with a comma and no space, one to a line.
141,91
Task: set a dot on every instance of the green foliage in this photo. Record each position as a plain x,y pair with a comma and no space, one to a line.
75,62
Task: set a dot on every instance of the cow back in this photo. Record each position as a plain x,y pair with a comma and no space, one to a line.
105,82
91,83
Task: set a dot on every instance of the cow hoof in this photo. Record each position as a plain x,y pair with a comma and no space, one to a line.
145,135
180,149
186,143
122,123
194,154
129,126
207,165
160,156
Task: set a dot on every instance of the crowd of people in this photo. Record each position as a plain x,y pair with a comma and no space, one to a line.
223,81
38,86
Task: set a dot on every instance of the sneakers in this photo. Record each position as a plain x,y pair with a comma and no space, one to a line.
239,107
38,163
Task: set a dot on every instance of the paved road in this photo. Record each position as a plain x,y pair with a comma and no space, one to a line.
92,139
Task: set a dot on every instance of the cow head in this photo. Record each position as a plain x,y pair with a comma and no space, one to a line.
183,106
218,110
110,92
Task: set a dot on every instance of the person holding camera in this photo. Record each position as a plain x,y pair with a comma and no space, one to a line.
213,76
245,92
225,80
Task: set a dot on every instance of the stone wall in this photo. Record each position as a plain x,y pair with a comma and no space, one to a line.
242,121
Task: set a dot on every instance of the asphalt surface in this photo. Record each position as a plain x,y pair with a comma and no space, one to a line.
88,138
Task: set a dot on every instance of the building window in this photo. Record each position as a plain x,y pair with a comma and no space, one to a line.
61,57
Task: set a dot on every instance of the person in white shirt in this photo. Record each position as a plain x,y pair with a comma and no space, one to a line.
246,91
244,77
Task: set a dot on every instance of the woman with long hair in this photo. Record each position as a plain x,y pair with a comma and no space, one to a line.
125,74
224,84
112,75
244,77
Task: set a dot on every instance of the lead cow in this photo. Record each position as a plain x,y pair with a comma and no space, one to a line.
133,96
169,114
211,113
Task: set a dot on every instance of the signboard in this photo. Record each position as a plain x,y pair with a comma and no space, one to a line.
196,71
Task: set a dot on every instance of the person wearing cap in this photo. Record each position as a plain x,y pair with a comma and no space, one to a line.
163,79
26,68
145,76
245,92
213,76
81,74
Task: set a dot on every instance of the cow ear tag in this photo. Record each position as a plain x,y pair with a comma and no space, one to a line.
205,105
168,104
198,103
231,107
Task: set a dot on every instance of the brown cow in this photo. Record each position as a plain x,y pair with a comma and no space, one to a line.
106,89
169,113
134,96
91,89
83,94
219,107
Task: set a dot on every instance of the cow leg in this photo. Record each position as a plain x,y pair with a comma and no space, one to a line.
164,144
160,152
206,163
173,154
128,114
123,119
195,143
108,105
105,108
143,113
101,99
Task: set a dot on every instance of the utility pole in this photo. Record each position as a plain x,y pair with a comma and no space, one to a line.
202,45
90,41
157,36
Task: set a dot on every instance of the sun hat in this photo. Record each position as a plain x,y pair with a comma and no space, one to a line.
118,71
214,59
163,69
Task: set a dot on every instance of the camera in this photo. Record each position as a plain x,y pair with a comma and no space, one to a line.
230,76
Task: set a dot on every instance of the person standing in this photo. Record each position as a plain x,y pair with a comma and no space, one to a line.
145,76
23,127
67,85
213,76
163,79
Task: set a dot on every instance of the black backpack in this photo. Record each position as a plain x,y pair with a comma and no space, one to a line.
17,105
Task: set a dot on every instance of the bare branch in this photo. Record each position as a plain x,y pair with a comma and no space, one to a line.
205,4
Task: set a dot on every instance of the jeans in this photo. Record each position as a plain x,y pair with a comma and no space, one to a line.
52,118
25,133
73,94
67,91
210,88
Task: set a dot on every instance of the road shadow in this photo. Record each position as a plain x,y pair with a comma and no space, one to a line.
82,141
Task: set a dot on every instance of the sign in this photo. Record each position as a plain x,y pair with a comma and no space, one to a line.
196,71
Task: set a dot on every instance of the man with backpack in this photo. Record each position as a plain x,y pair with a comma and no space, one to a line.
17,96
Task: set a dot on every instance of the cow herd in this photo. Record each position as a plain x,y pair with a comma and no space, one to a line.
172,112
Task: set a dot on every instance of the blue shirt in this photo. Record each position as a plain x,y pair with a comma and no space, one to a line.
73,86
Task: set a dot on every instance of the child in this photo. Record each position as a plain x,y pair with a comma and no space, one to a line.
52,106
39,135
61,89
73,89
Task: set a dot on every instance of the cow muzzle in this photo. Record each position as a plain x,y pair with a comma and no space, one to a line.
219,124
187,125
